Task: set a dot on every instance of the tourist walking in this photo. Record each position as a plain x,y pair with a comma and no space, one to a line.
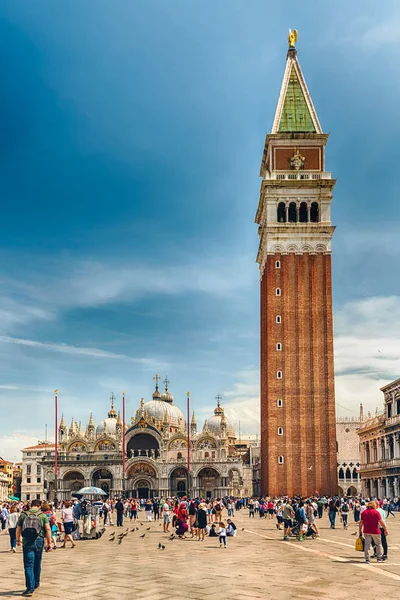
106,510
119,507
344,514
357,511
279,514
383,536
11,523
32,527
222,535
148,509
332,513
201,521
218,510
67,517
166,516
370,524
288,516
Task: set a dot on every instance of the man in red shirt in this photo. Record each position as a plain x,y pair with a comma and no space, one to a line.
370,522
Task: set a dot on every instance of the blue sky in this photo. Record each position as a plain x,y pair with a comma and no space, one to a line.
131,139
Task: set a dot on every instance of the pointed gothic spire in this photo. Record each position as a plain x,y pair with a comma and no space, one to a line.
91,422
62,422
295,111
119,420
72,426
194,422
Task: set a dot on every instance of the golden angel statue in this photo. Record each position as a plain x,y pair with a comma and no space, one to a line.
292,39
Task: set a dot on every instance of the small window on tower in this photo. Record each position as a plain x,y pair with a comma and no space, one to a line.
280,430
278,319
277,264
281,460
278,291
279,403
279,374
279,346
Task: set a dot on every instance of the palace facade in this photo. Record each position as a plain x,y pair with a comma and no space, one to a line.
156,446
380,447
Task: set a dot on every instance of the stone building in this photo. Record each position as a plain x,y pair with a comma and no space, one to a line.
33,482
156,446
4,491
380,447
298,435
6,467
348,454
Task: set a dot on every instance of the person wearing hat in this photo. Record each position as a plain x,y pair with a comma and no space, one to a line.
202,521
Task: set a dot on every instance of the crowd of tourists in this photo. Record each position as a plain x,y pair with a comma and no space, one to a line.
42,526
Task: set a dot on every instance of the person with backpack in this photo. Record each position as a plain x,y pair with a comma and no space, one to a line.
32,527
218,510
344,513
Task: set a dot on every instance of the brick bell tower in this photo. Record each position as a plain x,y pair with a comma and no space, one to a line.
298,425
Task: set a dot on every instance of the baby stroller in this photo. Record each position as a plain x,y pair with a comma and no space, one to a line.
294,532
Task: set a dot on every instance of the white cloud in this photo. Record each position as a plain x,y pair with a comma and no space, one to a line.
367,351
77,350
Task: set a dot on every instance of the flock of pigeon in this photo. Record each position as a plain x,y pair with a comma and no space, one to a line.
122,535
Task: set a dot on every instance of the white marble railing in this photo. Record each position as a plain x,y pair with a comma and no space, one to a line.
393,420
290,175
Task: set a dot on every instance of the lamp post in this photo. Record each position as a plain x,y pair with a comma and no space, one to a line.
188,448
56,443
123,444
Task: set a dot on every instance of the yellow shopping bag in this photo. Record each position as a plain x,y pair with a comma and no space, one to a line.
360,544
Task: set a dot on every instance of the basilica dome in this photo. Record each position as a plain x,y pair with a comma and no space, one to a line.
214,424
164,411
107,426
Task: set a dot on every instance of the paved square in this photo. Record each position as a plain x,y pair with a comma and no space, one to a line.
256,564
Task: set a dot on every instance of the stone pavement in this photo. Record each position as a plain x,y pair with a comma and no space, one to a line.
256,564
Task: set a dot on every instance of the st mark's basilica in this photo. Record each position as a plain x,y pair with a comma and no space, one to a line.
156,454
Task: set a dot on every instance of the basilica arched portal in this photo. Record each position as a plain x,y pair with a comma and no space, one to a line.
142,480
208,481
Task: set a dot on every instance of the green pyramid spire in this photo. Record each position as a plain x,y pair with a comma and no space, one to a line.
295,114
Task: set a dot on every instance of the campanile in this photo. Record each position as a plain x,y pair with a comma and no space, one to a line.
298,425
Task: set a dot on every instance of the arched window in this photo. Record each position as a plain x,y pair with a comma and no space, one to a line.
213,454
279,346
278,291
314,212
278,319
303,217
375,449
277,264
279,374
279,403
281,216
206,455
280,430
281,460
367,455
179,455
292,212
355,474
348,473
341,473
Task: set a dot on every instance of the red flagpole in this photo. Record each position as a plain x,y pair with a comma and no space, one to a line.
56,441
188,435
123,441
